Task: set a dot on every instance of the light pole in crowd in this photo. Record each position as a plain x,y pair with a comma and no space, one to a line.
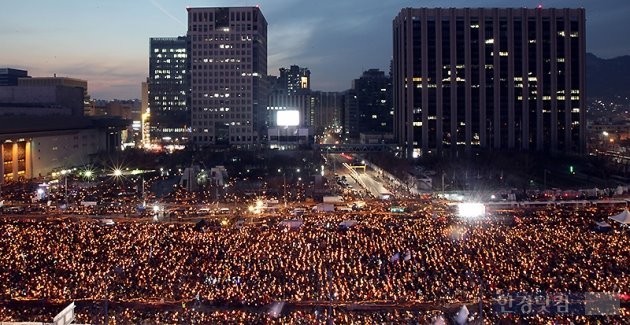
284,185
65,186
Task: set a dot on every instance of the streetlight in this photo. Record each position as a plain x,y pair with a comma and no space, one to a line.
65,177
284,182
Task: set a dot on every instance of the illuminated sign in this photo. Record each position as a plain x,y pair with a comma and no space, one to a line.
288,118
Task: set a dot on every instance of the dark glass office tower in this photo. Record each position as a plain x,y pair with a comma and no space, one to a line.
489,78
368,107
169,115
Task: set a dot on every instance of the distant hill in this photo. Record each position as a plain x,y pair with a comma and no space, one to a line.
607,77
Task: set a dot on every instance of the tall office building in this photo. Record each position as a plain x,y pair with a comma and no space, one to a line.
290,91
168,112
145,114
368,105
489,78
295,80
300,103
326,110
228,60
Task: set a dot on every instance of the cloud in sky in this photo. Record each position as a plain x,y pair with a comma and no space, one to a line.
294,40
119,78
167,13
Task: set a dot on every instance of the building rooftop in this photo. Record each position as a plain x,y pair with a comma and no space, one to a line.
21,124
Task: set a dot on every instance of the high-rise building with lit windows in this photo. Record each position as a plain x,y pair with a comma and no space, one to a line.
510,79
228,62
290,91
327,110
168,112
295,80
368,105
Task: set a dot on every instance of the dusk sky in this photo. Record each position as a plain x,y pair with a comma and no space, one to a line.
107,41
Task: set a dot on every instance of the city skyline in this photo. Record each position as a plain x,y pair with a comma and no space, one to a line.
107,43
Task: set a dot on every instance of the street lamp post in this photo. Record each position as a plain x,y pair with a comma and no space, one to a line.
65,187
216,191
284,182
284,185
144,198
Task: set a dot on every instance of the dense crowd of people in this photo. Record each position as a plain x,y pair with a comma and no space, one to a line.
421,257
159,315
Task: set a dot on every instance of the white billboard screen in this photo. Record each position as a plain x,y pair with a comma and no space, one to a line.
471,210
288,118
